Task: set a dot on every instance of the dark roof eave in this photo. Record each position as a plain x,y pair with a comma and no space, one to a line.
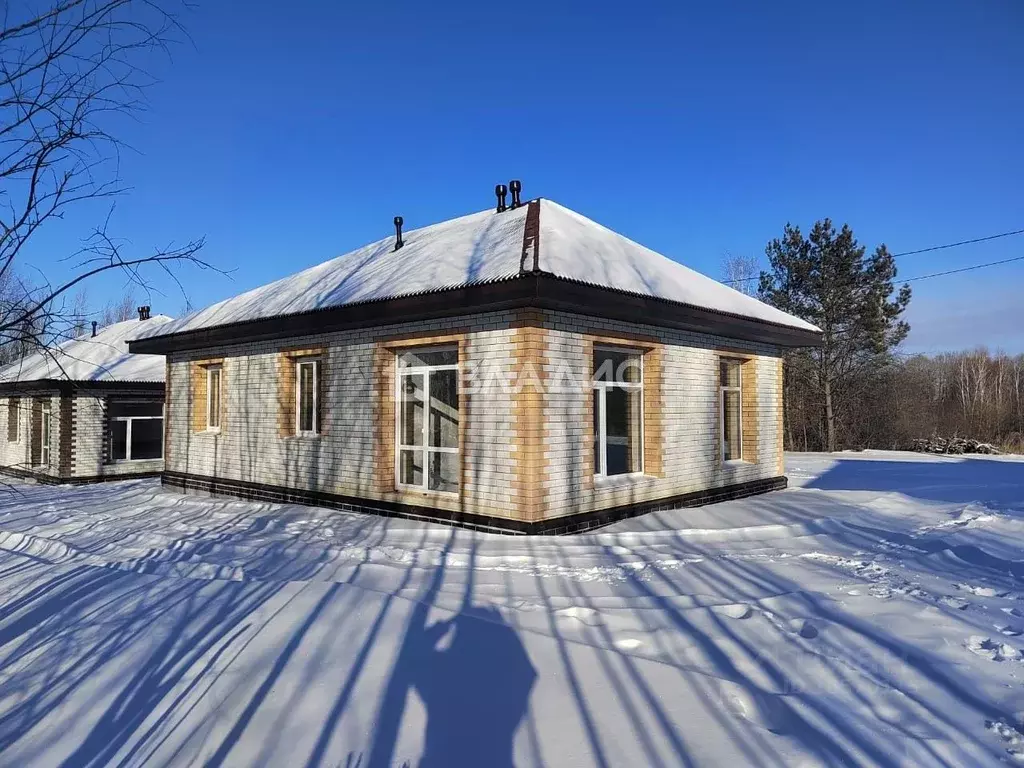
68,385
537,291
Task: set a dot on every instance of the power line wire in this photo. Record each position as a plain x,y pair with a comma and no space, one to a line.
962,269
934,274
962,242
930,249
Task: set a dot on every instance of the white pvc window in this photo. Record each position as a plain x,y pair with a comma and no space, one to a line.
307,385
618,400
427,427
213,395
44,433
731,408
136,430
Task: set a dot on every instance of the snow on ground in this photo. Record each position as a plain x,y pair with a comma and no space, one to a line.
873,614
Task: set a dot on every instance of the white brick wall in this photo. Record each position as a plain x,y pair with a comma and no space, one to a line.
88,436
689,417
342,460
15,454
18,454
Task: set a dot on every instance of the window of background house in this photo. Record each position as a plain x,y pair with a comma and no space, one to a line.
136,430
13,413
44,432
307,373
618,412
731,407
428,419
213,395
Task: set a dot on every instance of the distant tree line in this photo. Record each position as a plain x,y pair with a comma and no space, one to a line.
856,390
976,394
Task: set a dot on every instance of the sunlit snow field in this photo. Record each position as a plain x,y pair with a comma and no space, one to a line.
873,614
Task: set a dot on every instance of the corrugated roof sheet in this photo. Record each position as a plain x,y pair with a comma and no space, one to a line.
104,357
481,248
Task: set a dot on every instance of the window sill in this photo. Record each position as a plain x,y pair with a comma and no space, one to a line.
737,463
209,431
611,481
114,462
425,492
303,436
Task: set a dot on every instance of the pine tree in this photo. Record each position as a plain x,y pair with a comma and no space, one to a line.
825,279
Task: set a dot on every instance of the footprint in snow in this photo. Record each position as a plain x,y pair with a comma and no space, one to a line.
954,602
1013,739
1010,631
757,707
1013,612
805,628
733,610
992,649
980,591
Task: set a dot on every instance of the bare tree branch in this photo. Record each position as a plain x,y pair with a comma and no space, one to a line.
66,68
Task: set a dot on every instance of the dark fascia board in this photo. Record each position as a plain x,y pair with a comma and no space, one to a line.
64,386
535,291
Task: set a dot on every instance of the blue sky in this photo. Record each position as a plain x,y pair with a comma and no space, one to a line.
287,134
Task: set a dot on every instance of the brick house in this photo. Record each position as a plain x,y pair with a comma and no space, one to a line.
86,410
522,369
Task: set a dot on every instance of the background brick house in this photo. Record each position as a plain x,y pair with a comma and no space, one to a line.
86,410
524,369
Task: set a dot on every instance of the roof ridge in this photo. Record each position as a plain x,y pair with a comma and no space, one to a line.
531,239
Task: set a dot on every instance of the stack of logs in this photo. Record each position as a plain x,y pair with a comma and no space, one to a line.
954,445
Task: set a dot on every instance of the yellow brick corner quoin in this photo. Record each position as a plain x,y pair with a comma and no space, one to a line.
528,409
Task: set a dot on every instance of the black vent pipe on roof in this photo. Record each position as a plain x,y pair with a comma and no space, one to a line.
399,221
144,312
501,190
515,186
94,324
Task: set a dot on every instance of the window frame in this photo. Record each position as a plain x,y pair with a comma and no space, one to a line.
601,430
315,363
722,390
401,372
45,431
210,370
14,418
128,436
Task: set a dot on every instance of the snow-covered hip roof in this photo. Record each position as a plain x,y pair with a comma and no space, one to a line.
481,248
103,357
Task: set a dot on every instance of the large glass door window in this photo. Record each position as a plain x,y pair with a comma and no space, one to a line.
136,430
428,419
618,412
